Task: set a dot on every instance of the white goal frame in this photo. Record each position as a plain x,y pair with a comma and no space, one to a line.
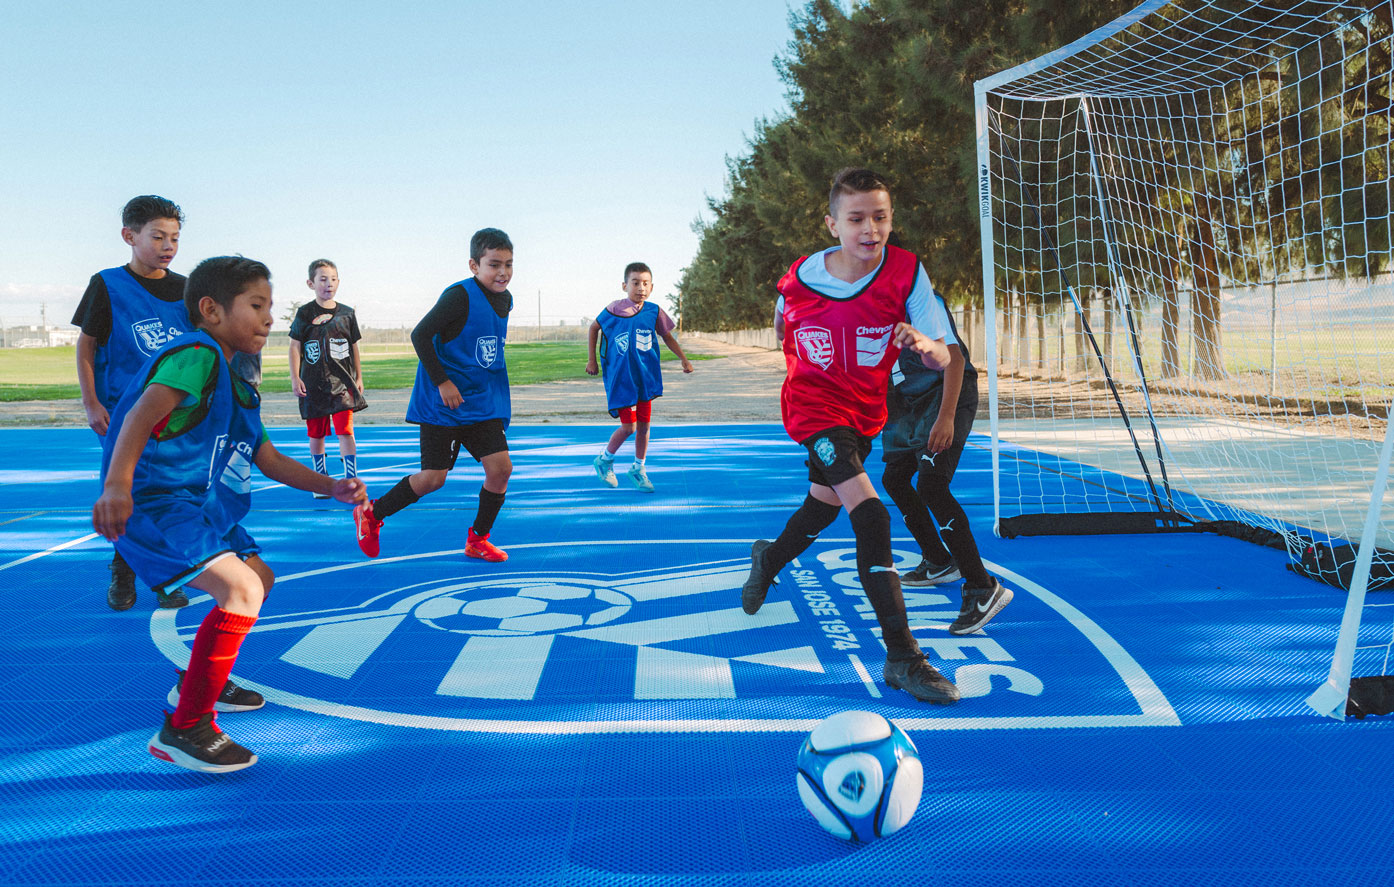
1071,74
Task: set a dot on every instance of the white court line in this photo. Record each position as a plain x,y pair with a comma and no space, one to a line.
38,554
864,675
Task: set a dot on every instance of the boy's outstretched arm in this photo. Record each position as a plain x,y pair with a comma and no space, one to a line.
285,470
672,342
113,508
933,353
592,368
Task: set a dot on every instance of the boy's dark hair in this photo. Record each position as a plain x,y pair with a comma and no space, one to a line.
636,268
854,180
486,239
147,208
321,263
220,278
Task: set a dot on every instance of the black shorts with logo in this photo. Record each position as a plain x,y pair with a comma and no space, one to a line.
836,454
440,444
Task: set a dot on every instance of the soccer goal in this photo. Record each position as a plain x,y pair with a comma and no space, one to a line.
1187,270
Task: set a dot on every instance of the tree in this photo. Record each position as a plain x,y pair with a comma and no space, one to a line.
888,84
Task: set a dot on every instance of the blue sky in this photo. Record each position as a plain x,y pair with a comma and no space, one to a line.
380,136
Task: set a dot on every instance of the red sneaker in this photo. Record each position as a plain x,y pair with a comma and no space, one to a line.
367,527
480,547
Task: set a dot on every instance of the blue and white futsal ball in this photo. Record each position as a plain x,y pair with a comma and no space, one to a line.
860,776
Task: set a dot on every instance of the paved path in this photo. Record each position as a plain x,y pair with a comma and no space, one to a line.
742,386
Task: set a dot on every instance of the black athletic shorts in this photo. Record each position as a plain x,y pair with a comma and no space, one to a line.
836,454
440,444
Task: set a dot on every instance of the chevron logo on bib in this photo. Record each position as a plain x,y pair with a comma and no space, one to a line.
871,344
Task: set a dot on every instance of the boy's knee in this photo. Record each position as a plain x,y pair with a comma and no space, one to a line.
871,524
246,596
429,482
872,518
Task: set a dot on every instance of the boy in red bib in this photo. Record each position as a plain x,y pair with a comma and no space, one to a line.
843,316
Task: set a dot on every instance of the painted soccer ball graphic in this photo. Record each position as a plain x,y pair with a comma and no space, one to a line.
513,609
860,776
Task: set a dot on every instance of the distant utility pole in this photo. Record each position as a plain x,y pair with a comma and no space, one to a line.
539,309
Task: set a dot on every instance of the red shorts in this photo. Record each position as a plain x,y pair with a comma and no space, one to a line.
319,426
643,412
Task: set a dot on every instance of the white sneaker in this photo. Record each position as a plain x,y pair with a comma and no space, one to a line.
605,470
640,479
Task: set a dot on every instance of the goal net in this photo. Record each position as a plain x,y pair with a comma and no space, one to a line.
1187,270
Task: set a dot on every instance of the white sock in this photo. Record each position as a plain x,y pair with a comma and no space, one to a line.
607,455
639,462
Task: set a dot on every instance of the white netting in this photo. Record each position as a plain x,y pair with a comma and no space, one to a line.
1187,246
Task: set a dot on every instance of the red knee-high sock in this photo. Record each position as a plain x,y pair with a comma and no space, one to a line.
215,650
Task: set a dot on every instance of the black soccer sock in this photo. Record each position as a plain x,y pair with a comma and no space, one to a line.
489,505
897,482
954,529
871,524
395,499
812,518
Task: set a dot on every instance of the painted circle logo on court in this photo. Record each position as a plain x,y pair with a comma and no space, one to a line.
664,646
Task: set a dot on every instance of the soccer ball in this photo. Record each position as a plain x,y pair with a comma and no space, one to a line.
860,776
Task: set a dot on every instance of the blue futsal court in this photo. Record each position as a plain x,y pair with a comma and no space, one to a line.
598,710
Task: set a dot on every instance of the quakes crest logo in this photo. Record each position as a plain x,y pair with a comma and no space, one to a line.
551,645
486,350
817,345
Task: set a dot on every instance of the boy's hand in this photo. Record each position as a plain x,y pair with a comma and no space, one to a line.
450,395
592,368
933,353
360,384
687,366
941,436
110,513
350,490
297,385
98,419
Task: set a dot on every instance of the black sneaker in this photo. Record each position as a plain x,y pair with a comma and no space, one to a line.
172,599
979,606
920,679
233,697
758,583
121,593
202,747
928,574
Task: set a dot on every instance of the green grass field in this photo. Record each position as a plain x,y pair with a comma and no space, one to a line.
51,374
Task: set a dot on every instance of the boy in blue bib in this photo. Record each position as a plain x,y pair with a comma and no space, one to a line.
126,315
176,482
628,330
460,398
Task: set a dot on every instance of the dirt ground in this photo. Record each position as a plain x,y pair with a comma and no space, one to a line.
741,386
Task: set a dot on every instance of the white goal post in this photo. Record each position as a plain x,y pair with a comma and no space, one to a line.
1187,267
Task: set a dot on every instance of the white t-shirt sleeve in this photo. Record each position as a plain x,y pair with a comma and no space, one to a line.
926,312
